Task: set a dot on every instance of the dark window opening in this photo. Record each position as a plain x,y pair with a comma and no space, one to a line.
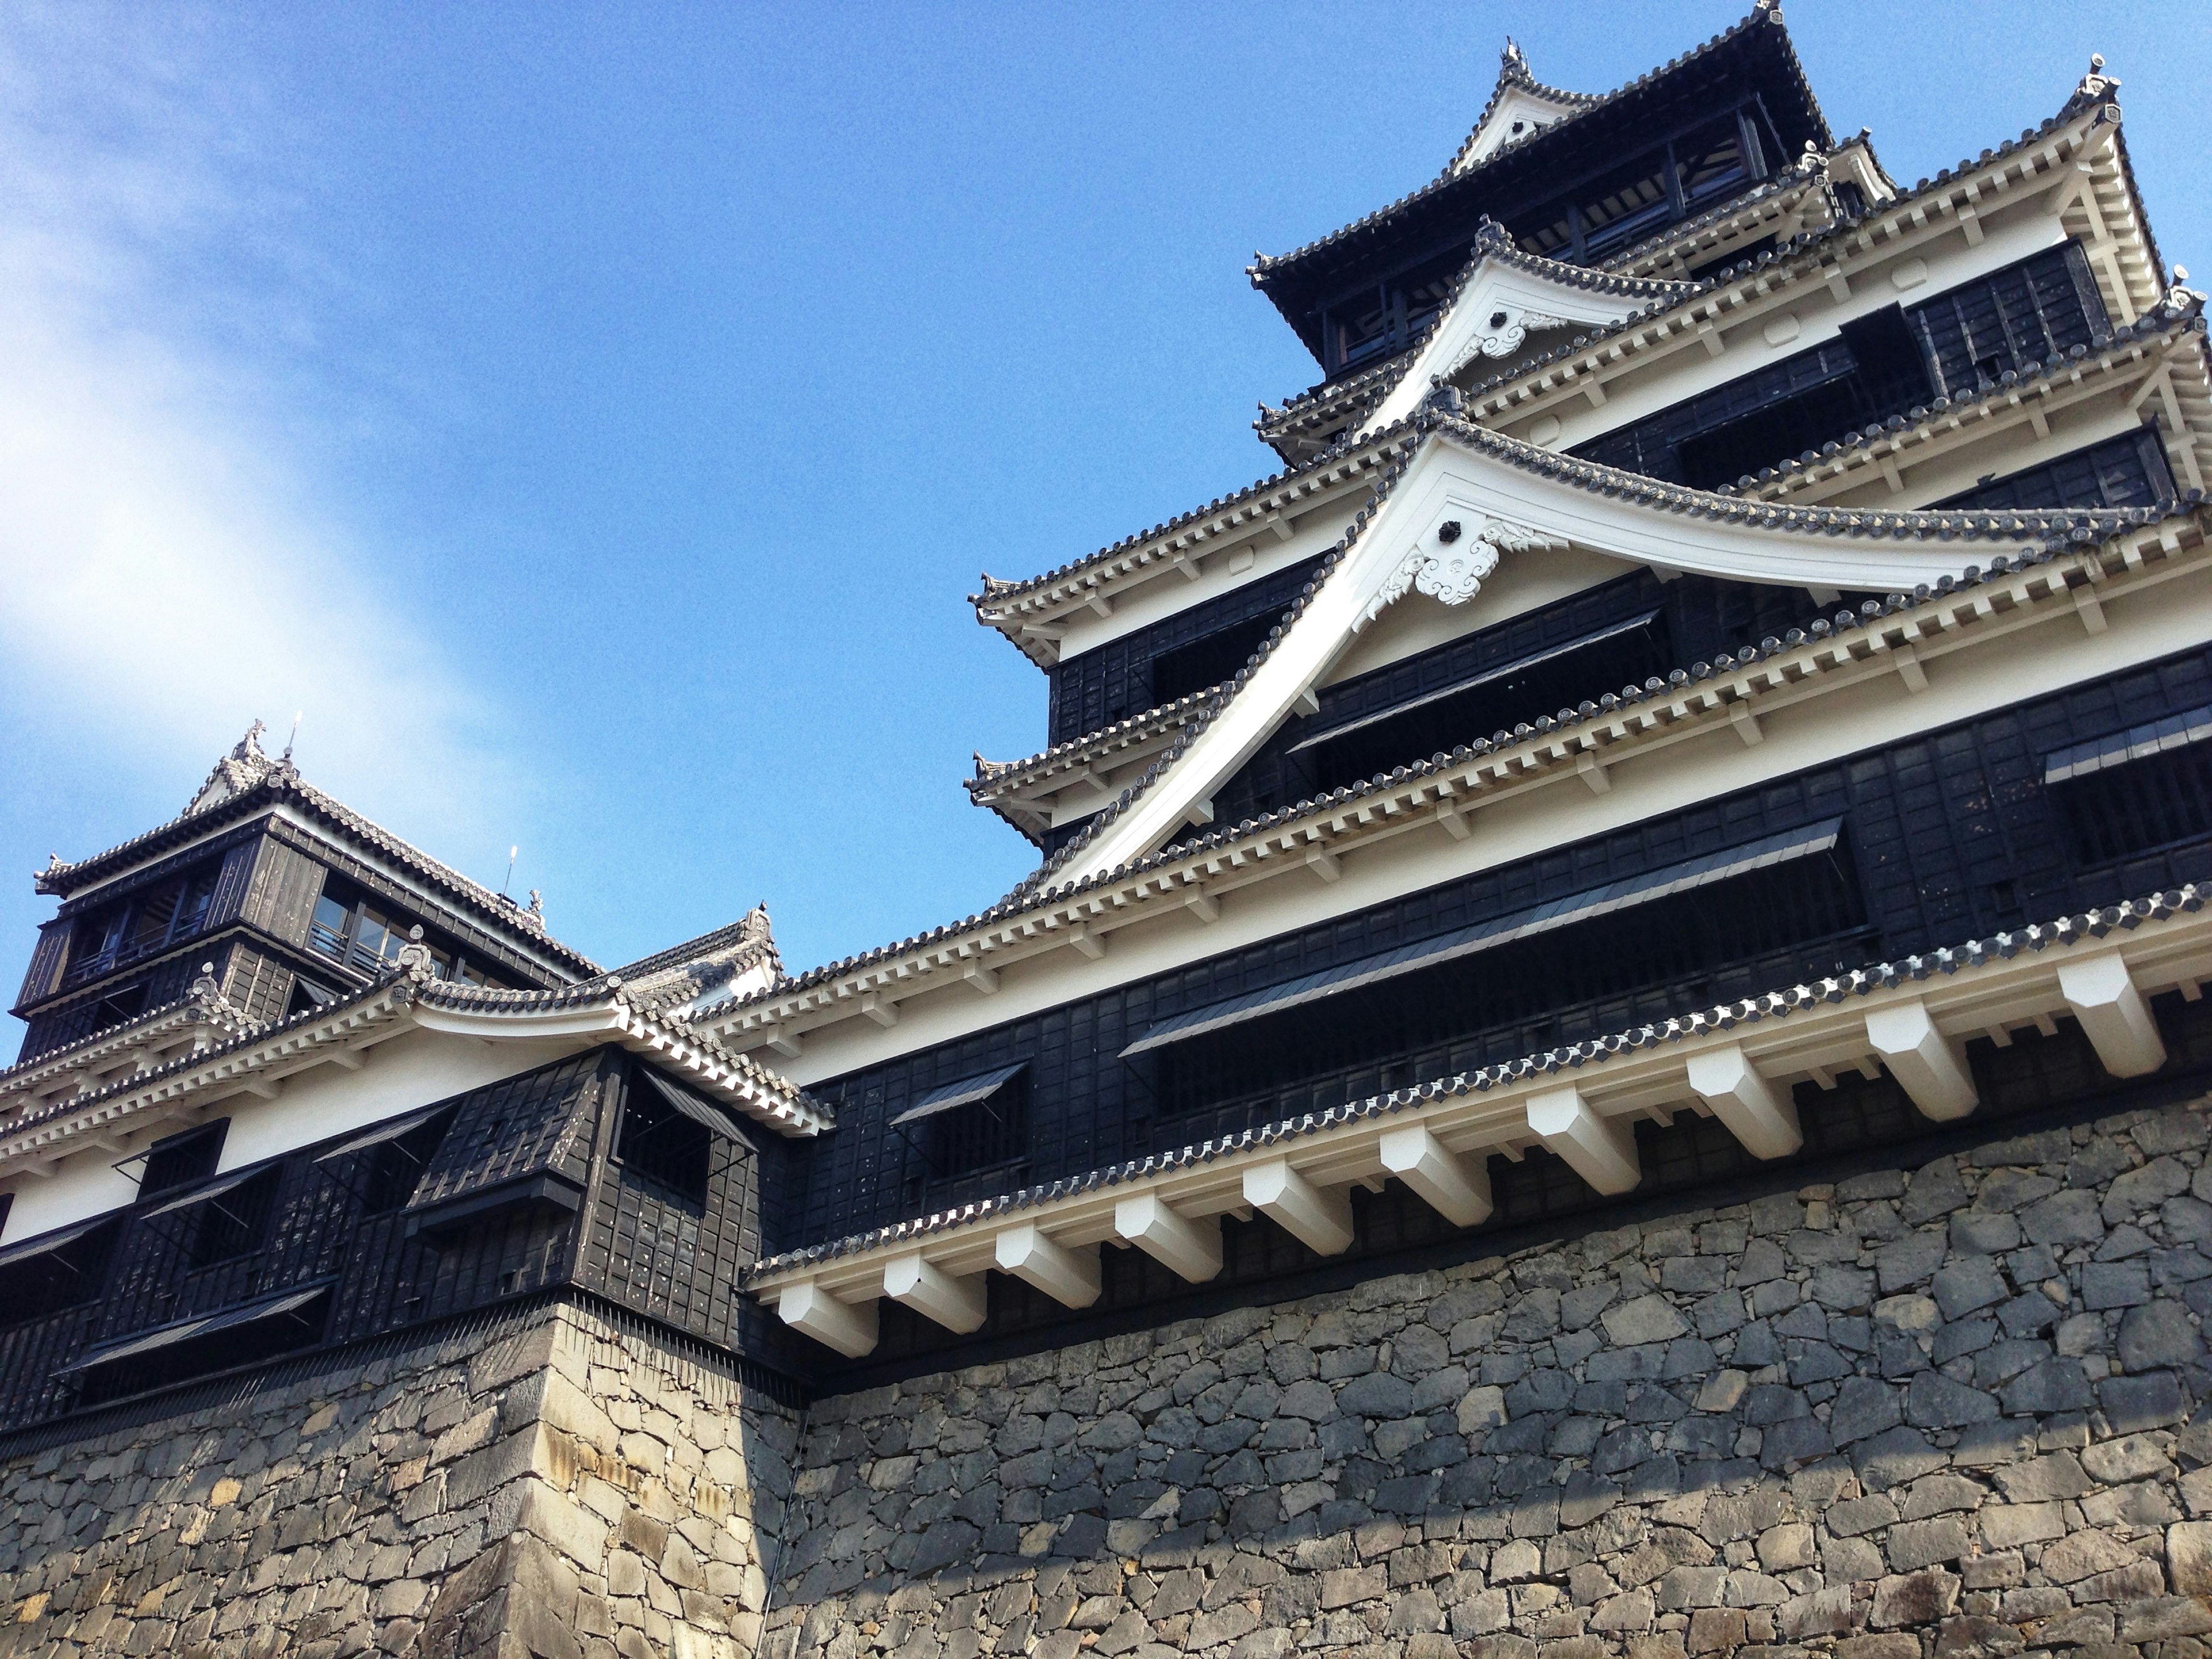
2138,805
1652,190
132,928
1850,199
1209,659
67,1275
367,935
232,1222
661,1145
181,1159
2129,470
1883,364
198,1346
1648,960
395,1166
307,996
127,1002
1496,700
978,1123
2010,320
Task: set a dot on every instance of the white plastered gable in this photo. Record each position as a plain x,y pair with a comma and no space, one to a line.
1464,505
1517,112
1500,304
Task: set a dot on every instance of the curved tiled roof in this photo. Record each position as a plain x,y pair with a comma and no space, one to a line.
1729,1016
2181,312
1764,13
1491,243
996,592
1619,484
283,784
408,980
1794,258
2060,530
1513,73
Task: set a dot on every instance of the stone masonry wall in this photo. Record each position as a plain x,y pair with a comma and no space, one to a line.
1941,1414
558,1487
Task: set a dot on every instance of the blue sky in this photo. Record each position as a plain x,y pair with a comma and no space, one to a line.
591,418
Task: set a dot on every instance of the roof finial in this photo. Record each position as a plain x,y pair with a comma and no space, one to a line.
536,904
2096,83
297,716
1511,55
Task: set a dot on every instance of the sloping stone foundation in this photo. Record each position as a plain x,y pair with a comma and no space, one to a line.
1941,1414
1944,1413
550,1484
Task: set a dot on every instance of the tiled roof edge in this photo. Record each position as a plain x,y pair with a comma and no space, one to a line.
2064,530
2065,931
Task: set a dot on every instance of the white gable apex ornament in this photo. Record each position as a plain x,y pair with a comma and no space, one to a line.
1451,564
1520,107
1509,497
1502,297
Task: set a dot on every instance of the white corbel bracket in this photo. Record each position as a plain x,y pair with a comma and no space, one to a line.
1457,1189
1757,1113
2112,1012
1928,1066
848,1328
1191,1250
1069,1277
1318,1218
959,1304
1601,1151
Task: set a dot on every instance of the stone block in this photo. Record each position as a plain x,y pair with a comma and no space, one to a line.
1916,1600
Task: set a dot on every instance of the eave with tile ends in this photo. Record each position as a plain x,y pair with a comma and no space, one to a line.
255,1061
1796,202
1516,86
1737,1063
1057,919
2074,166
2162,354
1030,613
1464,472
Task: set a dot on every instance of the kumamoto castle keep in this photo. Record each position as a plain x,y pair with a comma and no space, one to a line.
1606,1055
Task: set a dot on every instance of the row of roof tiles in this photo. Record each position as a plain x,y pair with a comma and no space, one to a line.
1778,1004
2179,314
992,603
1763,14
2059,531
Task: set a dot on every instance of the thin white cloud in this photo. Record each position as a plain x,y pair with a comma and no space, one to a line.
165,571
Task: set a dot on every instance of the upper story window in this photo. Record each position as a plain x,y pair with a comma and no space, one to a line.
367,935
140,924
1652,190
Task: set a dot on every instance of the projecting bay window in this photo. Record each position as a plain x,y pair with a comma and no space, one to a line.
1882,364
139,926
978,1123
1770,911
365,935
1423,720
2139,791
